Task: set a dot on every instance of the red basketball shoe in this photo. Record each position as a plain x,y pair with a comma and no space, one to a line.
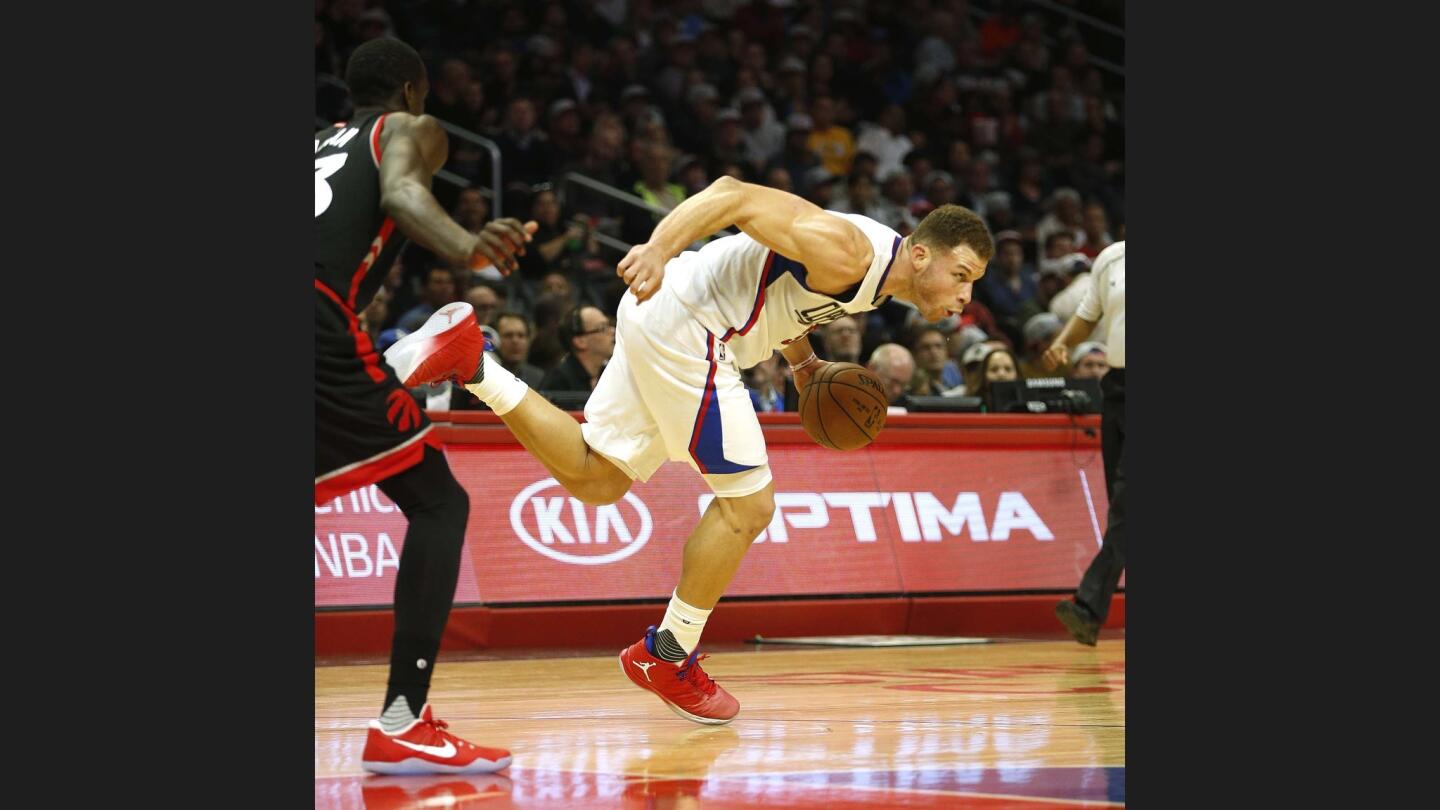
684,687
450,344
425,746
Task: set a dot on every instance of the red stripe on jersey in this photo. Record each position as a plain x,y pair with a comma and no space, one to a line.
759,301
375,139
376,245
363,347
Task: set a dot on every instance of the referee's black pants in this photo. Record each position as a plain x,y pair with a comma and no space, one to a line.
1098,584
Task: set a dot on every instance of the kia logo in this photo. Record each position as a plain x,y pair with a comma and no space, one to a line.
571,532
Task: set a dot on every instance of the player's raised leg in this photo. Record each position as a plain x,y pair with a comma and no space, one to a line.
450,346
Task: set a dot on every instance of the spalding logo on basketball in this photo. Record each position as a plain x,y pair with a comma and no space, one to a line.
843,407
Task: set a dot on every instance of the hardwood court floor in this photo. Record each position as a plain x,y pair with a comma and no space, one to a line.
1027,724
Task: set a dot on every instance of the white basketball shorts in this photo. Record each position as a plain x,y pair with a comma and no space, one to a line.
672,392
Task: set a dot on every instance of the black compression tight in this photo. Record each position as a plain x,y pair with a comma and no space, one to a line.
436,507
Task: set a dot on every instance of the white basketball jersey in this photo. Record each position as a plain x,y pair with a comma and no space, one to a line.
757,301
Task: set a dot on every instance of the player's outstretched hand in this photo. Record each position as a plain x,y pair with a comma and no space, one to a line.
642,270
500,241
1056,356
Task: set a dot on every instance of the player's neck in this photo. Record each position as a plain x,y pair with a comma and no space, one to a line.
901,281
372,109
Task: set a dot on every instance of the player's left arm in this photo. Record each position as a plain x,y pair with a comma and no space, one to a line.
834,251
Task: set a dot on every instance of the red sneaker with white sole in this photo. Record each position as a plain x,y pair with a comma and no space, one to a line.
684,687
425,746
449,345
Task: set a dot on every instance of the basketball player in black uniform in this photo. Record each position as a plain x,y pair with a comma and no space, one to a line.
372,189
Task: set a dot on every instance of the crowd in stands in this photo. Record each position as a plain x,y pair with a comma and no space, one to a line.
886,109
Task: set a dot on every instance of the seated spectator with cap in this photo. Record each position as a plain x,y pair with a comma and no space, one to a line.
895,366
1088,361
1076,283
1038,333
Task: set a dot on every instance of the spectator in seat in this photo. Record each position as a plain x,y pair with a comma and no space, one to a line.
524,150
437,290
514,331
895,367
1088,361
996,365
841,340
935,373
1096,224
486,300
590,338
1039,331
1010,282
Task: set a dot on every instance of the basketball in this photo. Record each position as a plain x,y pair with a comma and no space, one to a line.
843,407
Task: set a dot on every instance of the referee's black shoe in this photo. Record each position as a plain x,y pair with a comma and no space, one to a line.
1077,619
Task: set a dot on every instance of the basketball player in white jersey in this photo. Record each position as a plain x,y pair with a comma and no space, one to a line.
672,392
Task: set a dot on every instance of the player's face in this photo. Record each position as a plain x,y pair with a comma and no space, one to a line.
946,284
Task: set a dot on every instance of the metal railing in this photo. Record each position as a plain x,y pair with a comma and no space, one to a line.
488,145
620,196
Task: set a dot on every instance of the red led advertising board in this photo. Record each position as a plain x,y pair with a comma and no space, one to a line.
886,519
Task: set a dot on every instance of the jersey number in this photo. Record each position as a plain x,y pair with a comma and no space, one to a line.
324,167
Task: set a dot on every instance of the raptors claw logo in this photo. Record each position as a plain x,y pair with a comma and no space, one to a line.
403,413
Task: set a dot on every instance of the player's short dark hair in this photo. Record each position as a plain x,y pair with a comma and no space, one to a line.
379,68
950,226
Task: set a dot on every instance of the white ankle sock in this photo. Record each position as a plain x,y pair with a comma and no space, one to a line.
500,389
685,623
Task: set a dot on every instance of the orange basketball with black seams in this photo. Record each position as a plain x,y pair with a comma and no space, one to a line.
843,407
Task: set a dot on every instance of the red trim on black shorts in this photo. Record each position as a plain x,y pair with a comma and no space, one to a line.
391,462
363,347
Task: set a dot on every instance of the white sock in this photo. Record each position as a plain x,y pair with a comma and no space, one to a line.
684,624
397,715
500,389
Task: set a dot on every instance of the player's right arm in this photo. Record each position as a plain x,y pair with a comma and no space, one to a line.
834,250
413,149
804,364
